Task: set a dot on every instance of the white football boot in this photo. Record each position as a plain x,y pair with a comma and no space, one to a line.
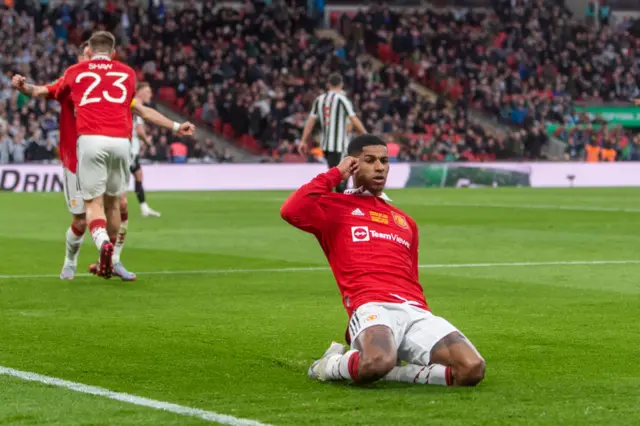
318,368
147,211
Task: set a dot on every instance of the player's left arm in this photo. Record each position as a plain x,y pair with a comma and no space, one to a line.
150,115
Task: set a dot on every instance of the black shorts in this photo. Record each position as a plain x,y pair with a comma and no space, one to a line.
135,164
333,158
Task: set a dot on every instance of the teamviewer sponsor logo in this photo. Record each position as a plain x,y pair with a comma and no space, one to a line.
360,234
363,233
390,237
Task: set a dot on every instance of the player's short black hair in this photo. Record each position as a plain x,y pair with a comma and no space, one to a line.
357,144
335,80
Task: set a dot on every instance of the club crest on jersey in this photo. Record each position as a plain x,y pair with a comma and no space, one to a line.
360,234
372,317
379,217
400,220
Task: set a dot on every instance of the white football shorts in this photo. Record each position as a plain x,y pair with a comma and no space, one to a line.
72,195
103,165
416,331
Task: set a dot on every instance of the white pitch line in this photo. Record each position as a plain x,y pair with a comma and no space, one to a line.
324,268
536,207
210,416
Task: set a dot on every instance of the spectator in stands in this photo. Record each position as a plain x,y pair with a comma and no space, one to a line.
18,147
178,152
525,76
225,156
5,142
573,151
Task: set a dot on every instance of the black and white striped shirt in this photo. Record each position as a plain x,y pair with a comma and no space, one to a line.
332,110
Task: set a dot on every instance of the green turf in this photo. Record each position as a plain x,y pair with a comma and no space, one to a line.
561,342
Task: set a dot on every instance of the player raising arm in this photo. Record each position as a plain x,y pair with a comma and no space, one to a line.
102,92
372,248
68,139
143,96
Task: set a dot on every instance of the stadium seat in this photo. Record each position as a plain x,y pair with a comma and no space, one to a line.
167,94
227,131
179,103
198,113
384,50
393,149
217,126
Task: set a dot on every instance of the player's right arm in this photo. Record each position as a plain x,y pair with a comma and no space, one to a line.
302,209
150,115
19,83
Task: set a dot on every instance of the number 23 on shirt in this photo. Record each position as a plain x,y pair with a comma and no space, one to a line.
102,92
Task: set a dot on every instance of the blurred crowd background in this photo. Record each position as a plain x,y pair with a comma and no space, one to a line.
520,80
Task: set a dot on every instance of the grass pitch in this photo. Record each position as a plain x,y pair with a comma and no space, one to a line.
561,341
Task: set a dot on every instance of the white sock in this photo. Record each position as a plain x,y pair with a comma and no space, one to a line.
122,234
434,374
343,367
73,243
99,232
144,206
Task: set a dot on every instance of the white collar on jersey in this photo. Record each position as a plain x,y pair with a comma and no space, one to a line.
103,57
362,191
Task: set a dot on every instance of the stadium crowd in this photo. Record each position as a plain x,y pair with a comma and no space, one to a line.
252,73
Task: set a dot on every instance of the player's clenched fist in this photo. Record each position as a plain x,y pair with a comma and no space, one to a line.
18,81
348,167
186,129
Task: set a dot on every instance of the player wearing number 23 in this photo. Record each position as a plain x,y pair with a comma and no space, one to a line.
102,92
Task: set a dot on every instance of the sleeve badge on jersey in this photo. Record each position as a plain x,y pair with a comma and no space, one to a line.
400,220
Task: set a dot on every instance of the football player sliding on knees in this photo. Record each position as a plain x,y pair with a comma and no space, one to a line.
372,247
102,93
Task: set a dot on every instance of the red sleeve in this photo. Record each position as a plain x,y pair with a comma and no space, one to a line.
53,88
302,209
63,85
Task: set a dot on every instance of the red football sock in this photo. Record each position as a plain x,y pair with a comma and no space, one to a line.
98,228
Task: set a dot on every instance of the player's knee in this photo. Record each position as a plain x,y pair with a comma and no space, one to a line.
124,205
376,366
470,373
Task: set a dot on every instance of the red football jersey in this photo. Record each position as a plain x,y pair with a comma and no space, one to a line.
68,135
372,246
102,92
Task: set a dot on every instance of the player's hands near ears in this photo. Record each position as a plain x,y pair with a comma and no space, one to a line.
348,167
18,81
186,129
